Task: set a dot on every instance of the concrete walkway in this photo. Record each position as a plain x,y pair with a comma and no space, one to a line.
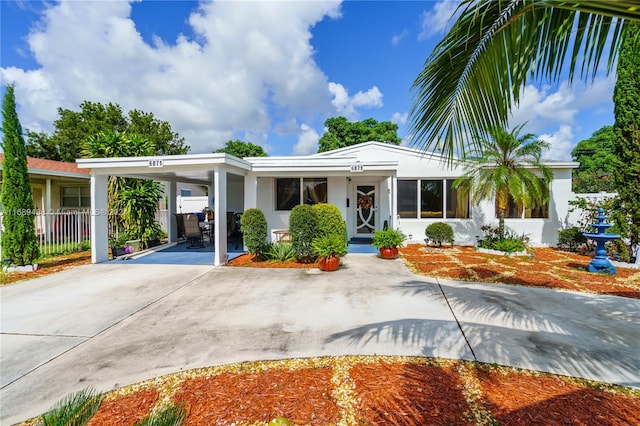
114,324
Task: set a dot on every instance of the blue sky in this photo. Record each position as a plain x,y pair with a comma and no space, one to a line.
265,72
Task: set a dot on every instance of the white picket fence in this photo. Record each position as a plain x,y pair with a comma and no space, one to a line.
69,230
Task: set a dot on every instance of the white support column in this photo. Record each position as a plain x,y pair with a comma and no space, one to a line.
47,210
393,197
220,212
172,226
99,219
250,191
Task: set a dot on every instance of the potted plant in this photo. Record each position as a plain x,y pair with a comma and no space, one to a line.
387,242
119,245
329,249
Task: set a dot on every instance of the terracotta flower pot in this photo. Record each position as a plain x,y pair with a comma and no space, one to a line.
388,252
329,264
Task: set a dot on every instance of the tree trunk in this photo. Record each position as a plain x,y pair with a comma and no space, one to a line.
501,223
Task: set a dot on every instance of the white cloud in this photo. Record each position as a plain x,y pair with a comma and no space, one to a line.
400,118
553,114
561,143
436,21
307,141
397,38
346,105
250,68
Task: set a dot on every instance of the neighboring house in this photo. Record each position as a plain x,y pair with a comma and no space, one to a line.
371,183
56,186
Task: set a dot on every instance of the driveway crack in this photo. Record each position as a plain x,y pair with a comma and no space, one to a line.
456,318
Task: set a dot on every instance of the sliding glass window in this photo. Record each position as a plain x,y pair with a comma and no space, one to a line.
408,199
431,199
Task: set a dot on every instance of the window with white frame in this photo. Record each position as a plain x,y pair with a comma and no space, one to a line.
76,196
291,192
518,211
436,197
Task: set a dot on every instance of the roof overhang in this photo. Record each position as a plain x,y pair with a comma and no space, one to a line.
344,165
192,168
199,168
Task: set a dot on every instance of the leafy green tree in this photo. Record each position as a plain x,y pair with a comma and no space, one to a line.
73,128
134,200
19,241
597,162
477,72
242,149
502,170
341,133
626,99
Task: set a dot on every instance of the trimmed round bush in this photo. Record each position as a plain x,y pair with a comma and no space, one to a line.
330,221
253,225
303,225
439,232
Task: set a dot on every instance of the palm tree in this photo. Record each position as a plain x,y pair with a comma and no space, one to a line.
504,170
477,72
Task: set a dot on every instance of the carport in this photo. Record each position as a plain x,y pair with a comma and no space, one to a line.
223,174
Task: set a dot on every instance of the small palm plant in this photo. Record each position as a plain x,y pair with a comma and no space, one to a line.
503,170
329,249
75,409
171,415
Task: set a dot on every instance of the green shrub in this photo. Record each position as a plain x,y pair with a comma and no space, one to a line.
263,251
329,245
387,238
510,243
330,221
571,238
303,225
439,232
253,225
282,251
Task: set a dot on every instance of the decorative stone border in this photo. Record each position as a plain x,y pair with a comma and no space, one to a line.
25,268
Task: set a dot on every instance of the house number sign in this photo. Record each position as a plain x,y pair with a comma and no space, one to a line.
156,163
357,168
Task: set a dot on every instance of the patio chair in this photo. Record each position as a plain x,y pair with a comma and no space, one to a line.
180,224
192,231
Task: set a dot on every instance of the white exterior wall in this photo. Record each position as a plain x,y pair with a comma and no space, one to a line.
278,220
412,165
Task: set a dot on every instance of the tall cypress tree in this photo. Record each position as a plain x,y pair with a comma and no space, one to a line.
626,100
19,242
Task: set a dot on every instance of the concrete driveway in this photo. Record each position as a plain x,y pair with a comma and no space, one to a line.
114,324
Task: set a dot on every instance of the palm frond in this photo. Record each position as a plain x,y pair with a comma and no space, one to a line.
172,415
75,409
477,72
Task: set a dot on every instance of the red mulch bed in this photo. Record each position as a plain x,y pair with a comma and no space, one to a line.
48,266
383,391
302,396
408,394
548,268
125,410
247,260
524,399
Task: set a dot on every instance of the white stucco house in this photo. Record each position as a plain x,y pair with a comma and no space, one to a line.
372,183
